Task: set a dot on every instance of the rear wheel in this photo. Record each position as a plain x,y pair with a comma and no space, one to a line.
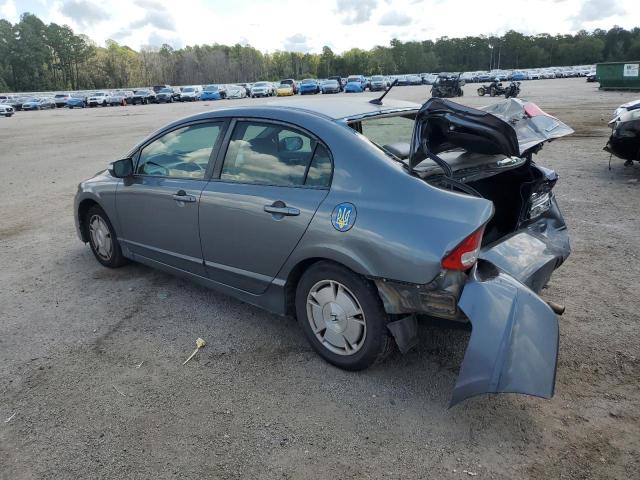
481,91
102,238
342,317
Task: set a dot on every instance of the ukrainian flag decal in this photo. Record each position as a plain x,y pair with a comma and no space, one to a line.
343,217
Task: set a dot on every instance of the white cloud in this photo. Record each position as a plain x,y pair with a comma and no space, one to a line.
9,11
355,11
393,17
297,43
593,10
276,24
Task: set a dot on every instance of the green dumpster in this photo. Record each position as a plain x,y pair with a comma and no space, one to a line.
619,75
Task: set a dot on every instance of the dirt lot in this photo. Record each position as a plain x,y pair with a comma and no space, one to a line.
257,402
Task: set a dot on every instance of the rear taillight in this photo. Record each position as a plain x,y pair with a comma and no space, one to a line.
465,255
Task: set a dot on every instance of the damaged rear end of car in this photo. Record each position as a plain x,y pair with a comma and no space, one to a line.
493,274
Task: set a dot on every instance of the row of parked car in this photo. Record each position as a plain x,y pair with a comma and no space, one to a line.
289,86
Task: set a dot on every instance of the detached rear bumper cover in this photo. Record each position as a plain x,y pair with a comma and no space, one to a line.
514,343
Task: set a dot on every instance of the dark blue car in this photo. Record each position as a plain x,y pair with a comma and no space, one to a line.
309,85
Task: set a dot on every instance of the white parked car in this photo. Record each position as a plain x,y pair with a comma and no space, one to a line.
99,98
191,93
262,89
236,91
6,110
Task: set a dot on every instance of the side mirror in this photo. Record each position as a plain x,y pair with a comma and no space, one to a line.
121,168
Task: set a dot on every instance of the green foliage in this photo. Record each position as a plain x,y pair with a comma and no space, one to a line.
35,56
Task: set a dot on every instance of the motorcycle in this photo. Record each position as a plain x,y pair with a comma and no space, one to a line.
447,86
513,90
493,89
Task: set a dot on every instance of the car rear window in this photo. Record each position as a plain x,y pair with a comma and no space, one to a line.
388,130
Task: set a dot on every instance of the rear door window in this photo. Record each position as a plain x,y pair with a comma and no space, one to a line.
273,154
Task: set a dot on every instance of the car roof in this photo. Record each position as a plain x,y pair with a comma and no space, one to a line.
345,109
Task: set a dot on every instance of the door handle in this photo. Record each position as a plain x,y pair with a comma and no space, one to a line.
282,210
181,196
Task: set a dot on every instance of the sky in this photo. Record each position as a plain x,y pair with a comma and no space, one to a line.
308,25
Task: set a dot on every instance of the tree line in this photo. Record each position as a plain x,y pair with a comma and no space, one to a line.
35,56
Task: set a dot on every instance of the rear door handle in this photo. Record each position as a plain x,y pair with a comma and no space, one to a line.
181,196
277,210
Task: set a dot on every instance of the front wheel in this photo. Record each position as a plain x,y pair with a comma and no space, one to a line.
482,91
342,317
102,238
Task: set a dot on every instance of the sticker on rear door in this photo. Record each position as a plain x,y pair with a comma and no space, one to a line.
343,217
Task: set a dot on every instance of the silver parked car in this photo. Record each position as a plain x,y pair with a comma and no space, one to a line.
356,217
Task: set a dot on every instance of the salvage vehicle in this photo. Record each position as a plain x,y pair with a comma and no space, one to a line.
195,93
120,97
262,89
6,110
61,99
79,101
39,103
625,107
168,95
309,86
624,141
512,90
99,98
291,82
235,91
447,86
143,97
285,90
378,83
330,86
495,88
357,79
353,87
355,216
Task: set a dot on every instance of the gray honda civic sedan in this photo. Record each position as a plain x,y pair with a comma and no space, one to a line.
359,218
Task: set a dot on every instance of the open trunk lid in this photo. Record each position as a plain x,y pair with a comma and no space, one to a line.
511,128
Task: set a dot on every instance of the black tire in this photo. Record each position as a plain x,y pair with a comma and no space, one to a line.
481,91
116,259
492,92
377,343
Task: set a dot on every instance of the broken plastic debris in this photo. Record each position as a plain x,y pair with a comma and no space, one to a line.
10,418
470,473
200,343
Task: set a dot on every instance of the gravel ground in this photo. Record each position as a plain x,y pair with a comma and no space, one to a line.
91,377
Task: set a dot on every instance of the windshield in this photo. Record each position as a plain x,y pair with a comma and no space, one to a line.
166,90
308,80
191,89
284,85
330,82
261,84
377,78
286,82
353,79
61,95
